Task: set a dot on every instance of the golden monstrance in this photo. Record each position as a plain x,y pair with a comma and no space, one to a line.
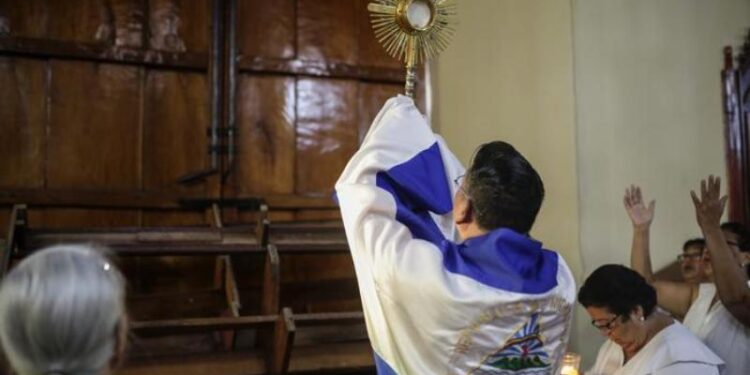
413,31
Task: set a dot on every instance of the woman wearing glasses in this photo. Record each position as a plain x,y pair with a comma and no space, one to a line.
641,340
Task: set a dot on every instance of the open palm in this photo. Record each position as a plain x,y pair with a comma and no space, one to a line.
709,207
640,214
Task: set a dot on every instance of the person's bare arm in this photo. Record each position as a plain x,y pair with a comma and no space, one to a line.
674,297
731,281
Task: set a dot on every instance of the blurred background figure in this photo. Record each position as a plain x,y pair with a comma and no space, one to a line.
693,266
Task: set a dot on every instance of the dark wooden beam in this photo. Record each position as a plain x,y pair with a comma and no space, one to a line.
55,49
190,249
329,319
133,199
194,61
321,69
299,202
185,326
104,199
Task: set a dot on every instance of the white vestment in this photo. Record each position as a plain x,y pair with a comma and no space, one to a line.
495,304
720,331
673,351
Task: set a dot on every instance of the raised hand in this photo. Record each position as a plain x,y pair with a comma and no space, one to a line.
710,206
640,215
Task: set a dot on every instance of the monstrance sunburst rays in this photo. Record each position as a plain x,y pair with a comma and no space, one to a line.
413,31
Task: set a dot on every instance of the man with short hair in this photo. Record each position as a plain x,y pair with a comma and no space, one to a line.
495,303
693,266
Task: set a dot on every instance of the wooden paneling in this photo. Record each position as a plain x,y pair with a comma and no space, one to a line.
266,143
306,215
4,220
266,28
191,18
266,139
22,114
326,132
174,137
28,18
299,268
77,218
735,82
76,20
372,96
94,133
326,30
371,53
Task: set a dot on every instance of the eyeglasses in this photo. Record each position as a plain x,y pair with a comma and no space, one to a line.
606,327
688,257
459,181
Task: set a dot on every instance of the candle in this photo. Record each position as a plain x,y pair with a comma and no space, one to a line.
570,364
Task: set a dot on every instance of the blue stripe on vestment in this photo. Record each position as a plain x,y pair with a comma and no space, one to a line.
382,367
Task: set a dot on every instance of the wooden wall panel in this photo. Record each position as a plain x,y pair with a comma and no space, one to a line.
372,96
305,215
267,28
326,132
22,119
266,143
193,18
370,52
266,139
175,119
326,30
94,134
27,18
94,131
75,20
80,218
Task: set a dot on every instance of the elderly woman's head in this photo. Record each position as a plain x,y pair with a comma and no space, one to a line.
619,300
62,311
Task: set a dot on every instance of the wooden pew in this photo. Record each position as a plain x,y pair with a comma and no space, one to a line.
275,327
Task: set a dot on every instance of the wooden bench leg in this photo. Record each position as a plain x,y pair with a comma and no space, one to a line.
283,340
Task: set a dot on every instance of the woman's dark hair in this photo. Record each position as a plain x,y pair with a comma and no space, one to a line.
618,289
504,188
743,235
694,242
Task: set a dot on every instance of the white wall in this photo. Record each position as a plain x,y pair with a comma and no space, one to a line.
508,75
648,101
597,94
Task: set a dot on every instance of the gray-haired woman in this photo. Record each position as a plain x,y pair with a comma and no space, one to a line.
62,312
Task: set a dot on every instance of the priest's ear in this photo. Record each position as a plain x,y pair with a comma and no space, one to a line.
463,209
